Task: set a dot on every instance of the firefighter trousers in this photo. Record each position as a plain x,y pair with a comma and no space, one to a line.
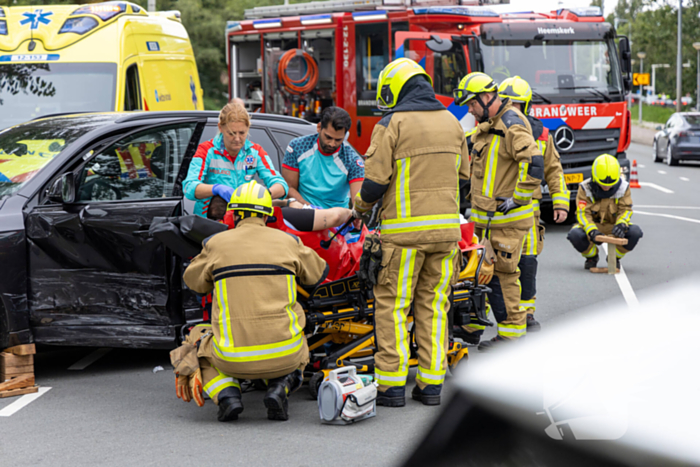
504,299
532,248
419,275
579,239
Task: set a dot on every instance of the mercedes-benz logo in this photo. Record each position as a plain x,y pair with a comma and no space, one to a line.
564,138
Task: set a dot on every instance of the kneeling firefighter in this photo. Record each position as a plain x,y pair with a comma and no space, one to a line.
414,162
257,326
507,167
604,207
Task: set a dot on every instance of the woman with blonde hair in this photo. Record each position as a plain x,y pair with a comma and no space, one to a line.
222,164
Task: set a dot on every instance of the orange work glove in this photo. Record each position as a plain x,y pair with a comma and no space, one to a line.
486,273
197,388
182,388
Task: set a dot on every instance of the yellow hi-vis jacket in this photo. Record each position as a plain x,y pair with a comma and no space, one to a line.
614,210
506,162
257,323
415,159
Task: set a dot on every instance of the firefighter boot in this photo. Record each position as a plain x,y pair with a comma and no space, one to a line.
392,397
470,338
488,345
532,324
429,395
277,396
230,404
591,262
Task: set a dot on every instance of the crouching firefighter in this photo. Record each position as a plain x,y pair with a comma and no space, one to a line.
257,326
604,207
507,167
416,157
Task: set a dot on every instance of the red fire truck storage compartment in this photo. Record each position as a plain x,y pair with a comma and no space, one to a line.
246,69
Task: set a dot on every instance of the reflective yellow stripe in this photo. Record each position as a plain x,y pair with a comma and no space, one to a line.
224,324
390,378
625,218
440,299
523,195
536,205
542,145
516,214
528,304
618,253
403,194
591,252
420,223
294,326
512,330
523,171
581,218
531,240
404,297
491,166
260,352
216,385
430,376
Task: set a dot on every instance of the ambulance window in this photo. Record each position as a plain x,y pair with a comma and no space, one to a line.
140,166
132,94
261,137
372,50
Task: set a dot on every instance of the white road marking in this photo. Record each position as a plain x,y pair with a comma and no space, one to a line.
687,219
624,284
656,187
665,207
641,166
22,402
684,179
89,360
662,172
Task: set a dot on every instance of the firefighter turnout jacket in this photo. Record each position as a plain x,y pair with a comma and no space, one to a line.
553,172
417,174
593,212
257,324
506,162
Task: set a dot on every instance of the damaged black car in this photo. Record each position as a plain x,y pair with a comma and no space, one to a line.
78,194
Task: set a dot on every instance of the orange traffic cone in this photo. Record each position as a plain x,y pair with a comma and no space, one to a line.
634,179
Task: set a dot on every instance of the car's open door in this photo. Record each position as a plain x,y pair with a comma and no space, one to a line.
96,278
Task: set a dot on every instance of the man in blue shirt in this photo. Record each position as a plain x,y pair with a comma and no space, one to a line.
323,170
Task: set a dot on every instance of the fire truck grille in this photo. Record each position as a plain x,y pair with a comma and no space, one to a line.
588,145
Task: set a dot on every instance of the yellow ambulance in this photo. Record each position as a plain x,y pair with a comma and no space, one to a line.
109,56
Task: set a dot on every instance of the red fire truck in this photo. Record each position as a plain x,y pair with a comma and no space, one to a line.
298,59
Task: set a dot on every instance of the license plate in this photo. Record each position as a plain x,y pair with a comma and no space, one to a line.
573,178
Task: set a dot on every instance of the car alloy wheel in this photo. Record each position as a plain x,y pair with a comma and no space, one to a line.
670,161
655,151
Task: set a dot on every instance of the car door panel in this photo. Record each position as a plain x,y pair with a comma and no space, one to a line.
93,269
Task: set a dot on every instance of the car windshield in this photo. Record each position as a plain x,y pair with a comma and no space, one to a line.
32,90
563,67
26,149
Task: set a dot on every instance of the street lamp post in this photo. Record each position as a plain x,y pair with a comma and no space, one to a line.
679,60
696,45
641,56
654,66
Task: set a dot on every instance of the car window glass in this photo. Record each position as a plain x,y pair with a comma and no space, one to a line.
210,132
669,123
140,166
693,120
283,138
261,137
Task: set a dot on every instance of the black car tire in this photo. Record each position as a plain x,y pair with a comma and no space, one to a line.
655,149
669,157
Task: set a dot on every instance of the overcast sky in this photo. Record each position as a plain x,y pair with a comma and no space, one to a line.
547,5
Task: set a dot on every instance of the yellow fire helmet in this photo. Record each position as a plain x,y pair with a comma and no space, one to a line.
392,79
252,197
472,85
517,90
606,170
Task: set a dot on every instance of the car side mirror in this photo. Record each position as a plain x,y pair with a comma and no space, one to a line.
659,128
439,44
63,189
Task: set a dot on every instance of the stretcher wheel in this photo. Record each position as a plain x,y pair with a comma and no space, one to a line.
315,384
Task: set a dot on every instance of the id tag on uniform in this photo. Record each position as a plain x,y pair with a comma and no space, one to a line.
248,178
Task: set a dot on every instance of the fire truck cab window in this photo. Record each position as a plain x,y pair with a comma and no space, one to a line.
445,68
372,49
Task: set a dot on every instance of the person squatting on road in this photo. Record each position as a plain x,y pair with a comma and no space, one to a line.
604,207
257,326
414,162
222,164
520,94
507,167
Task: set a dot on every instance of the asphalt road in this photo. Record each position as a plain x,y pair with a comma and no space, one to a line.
117,411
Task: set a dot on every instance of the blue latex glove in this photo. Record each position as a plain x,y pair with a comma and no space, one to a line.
224,191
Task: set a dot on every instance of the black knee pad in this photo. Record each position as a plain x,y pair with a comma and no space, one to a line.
579,239
498,303
528,276
633,235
